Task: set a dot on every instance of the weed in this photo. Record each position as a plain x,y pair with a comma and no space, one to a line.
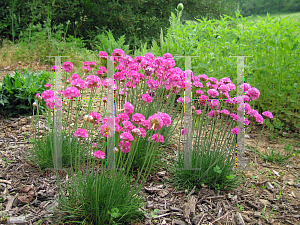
277,156
240,207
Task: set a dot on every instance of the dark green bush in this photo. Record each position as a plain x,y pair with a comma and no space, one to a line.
18,90
138,20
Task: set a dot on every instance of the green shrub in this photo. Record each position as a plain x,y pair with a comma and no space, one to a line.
18,90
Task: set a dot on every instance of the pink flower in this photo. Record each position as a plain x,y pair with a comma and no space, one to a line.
247,107
75,76
103,54
230,101
225,111
246,121
224,88
234,116
198,112
128,126
55,67
231,86
137,118
156,122
202,99
252,113
259,118
103,68
157,138
93,81
149,56
253,93
92,64
99,72
214,113
96,117
94,146
146,124
199,92
125,146
152,84
245,87
136,132
224,95
168,56
68,67
99,154
214,86
143,132
128,108
195,78
53,102
212,93
166,118
235,130
247,98
213,80
86,69
123,116
81,133
183,131
118,128
198,84
47,94
214,104
268,114
48,86
117,54
225,80
71,92
203,77
127,136
79,84
120,76
147,98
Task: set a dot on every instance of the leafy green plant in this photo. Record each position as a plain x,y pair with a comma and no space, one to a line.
240,207
18,90
106,42
273,68
155,213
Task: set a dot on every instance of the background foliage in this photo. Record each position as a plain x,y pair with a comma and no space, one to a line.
254,7
138,20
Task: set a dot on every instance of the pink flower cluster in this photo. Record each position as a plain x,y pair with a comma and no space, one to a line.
130,132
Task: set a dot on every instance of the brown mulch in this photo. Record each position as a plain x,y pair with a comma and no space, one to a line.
28,191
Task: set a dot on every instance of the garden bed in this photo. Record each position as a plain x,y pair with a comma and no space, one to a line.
29,194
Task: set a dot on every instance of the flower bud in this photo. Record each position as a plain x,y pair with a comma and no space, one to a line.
86,118
38,97
34,104
180,7
94,146
116,150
